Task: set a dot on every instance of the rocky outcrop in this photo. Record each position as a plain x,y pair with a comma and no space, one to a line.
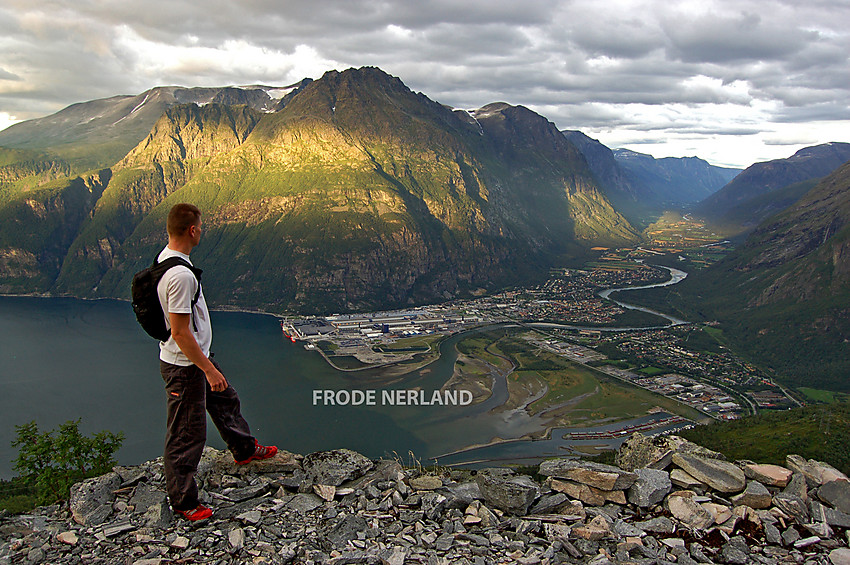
339,507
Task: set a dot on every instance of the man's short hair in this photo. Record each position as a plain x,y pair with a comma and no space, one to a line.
181,218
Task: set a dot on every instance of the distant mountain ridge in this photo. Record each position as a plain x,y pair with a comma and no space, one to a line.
96,134
674,180
639,184
351,192
755,194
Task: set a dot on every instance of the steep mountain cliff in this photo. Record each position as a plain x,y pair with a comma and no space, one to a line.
755,194
354,193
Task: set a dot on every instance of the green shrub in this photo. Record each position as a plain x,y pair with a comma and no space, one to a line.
50,462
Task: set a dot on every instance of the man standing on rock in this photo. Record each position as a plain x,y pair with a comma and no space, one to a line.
193,381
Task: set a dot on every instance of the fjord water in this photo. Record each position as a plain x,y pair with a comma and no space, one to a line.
63,359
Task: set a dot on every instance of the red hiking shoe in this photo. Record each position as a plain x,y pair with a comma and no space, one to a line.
200,512
260,452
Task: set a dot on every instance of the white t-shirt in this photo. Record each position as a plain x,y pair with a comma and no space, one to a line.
176,289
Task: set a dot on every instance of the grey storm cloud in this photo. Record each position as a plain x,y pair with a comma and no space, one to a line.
620,64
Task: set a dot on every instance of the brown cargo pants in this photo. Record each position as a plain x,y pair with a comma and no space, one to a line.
189,399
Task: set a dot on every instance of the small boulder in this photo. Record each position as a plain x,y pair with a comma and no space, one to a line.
585,493
642,452
426,482
336,467
650,488
720,475
590,473
770,475
91,500
755,496
837,495
816,472
685,509
511,493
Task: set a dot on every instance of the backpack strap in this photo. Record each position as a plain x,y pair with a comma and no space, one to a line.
160,269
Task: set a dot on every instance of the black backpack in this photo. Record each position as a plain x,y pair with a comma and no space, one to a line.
146,301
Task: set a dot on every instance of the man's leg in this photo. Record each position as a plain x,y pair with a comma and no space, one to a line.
186,432
226,413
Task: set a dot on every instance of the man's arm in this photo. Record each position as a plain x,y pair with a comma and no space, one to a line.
185,340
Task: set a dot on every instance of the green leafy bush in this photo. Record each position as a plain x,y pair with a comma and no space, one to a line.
50,462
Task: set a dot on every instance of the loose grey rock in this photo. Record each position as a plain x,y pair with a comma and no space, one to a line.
797,487
236,538
719,475
772,534
658,525
793,505
837,495
247,493
118,528
346,529
460,495
91,500
790,536
839,556
836,518
304,503
596,475
736,552
650,488
251,517
513,494
755,496
549,504
159,515
336,467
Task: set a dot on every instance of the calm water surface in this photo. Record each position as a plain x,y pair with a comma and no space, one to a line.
63,359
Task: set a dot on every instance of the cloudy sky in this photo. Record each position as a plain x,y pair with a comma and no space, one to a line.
733,82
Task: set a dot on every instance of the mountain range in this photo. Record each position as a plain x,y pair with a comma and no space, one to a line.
641,185
767,188
352,192
349,192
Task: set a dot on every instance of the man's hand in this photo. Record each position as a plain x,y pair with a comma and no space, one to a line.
217,381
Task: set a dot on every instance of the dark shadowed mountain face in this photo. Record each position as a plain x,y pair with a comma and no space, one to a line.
351,192
673,180
783,298
766,188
